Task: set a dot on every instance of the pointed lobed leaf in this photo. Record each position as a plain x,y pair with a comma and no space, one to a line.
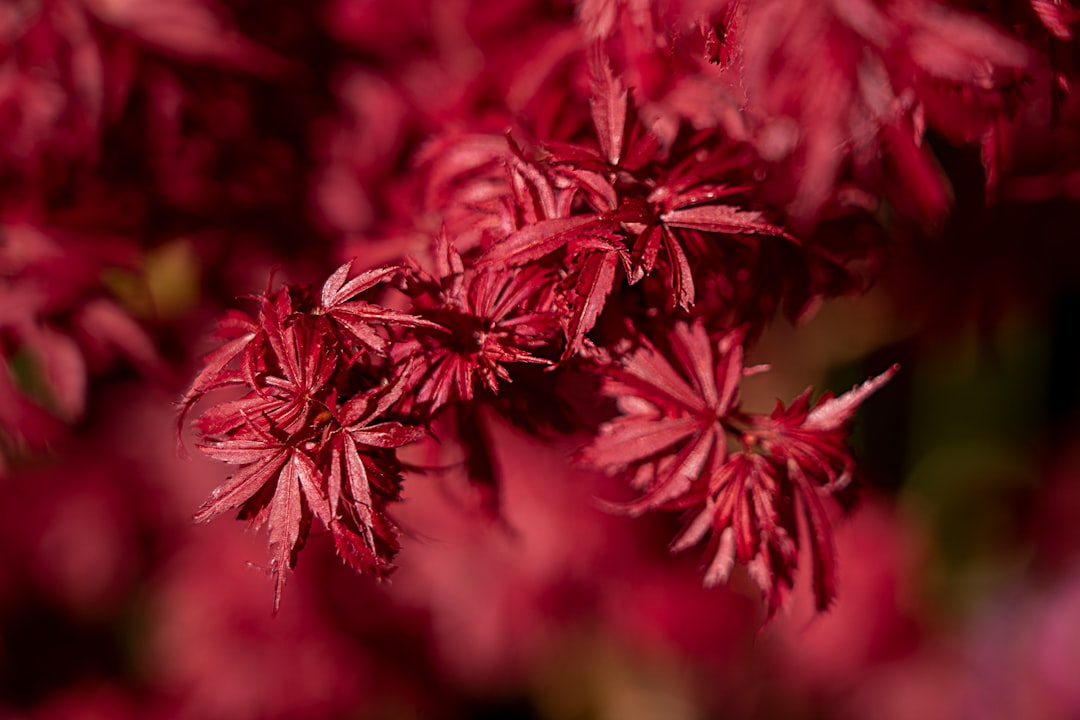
338,289
833,413
214,371
363,312
691,346
311,483
695,530
681,473
608,105
628,440
283,524
643,255
650,375
723,561
592,289
242,486
682,279
730,370
536,240
387,435
356,550
823,550
333,481
722,219
359,492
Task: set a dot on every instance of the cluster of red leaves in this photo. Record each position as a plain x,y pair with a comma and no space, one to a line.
683,442
631,190
835,92
530,244
575,216
310,432
626,190
661,194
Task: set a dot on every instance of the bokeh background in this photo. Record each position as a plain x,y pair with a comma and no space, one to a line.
161,158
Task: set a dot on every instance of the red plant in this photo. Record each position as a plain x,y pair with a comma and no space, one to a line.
309,432
673,441
612,231
527,254
556,230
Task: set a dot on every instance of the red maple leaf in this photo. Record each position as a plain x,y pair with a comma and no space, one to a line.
276,485
671,441
629,202
671,429
477,320
360,319
310,433
363,477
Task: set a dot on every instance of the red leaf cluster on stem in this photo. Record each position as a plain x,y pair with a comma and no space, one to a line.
625,242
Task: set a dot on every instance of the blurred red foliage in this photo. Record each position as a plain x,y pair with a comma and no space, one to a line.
564,232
